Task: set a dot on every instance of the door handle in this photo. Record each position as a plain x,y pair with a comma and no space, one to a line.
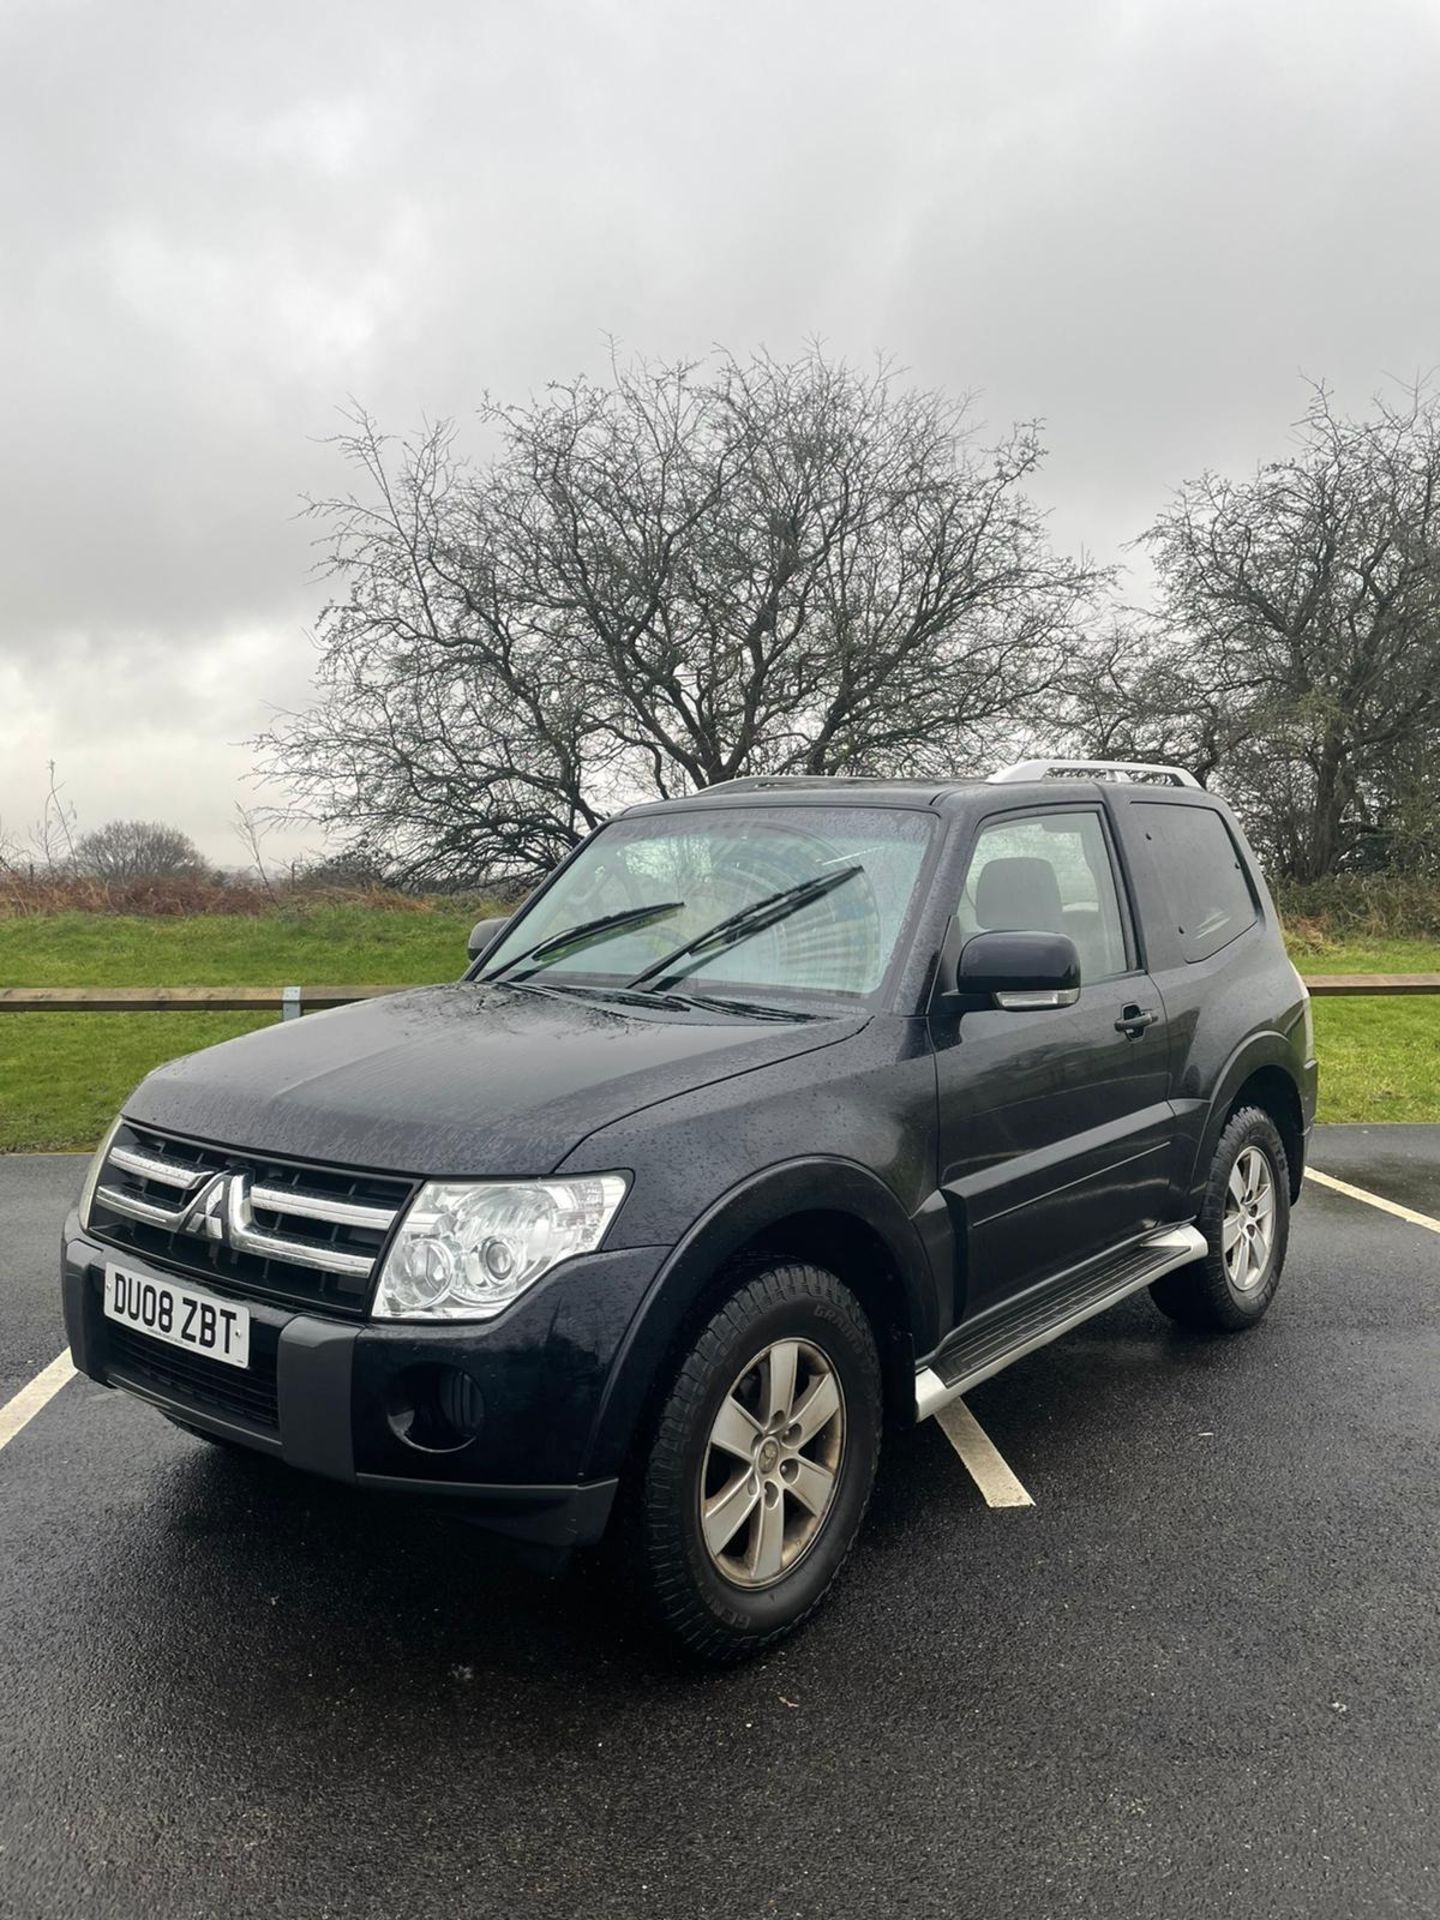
1134,1020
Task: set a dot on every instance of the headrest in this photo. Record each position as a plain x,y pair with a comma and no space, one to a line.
1019,895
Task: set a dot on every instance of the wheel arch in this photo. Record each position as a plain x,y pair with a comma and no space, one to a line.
1260,1074
829,1211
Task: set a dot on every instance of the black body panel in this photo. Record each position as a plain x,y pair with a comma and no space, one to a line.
1239,1012
960,1163
318,1391
1055,1134
460,1081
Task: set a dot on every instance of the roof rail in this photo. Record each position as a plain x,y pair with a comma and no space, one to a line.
1080,769
755,781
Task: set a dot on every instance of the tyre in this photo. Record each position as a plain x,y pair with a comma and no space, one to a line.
762,1461
1246,1223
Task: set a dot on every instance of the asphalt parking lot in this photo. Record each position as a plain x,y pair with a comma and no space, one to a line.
1200,1675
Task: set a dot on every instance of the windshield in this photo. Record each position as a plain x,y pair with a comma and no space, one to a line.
748,904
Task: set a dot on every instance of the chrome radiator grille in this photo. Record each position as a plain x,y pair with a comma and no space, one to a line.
295,1234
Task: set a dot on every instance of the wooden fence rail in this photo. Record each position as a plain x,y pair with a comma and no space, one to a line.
287,1001
1322,984
291,1001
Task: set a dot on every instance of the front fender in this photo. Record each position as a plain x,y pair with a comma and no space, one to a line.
738,1219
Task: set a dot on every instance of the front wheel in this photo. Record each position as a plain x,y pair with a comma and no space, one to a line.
762,1462
1246,1223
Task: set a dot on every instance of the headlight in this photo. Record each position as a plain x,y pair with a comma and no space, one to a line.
92,1177
467,1248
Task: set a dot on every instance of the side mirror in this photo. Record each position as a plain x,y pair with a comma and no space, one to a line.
1019,971
485,933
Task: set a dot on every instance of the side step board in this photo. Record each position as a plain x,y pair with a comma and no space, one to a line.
987,1348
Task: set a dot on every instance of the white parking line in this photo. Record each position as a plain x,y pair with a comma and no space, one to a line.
1374,1200
20,1411
983,1460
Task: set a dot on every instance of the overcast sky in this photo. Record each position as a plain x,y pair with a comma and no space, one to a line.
1142,221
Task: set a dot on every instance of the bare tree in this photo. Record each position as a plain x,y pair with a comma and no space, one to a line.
685,575
49,846
137,850
1139,694
249,829
1297,656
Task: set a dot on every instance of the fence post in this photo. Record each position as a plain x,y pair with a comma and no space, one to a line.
290,1008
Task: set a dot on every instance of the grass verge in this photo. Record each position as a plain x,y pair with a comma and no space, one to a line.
64,1075
1379,1059
322,946
1364,955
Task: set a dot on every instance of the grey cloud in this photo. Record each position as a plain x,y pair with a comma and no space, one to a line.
1141,221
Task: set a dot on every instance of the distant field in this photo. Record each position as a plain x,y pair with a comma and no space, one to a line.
327,946
63,1075
1366,956
1379,1059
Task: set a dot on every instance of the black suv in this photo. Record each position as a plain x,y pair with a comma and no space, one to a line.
777,1112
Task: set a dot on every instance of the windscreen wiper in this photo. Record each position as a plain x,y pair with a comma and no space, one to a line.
746,1009
671,1002
555,945
753,919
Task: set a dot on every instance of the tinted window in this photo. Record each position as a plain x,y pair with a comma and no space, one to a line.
1201,876
1050,873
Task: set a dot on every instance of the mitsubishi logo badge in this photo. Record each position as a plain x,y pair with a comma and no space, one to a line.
208,1209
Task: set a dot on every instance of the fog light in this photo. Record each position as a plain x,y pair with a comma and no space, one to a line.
435,1409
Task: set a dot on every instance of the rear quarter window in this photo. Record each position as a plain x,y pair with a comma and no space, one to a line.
1201,874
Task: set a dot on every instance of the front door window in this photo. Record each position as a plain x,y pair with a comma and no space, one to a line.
1048,873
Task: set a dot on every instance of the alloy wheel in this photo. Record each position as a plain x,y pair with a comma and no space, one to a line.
772,1463
1248,1232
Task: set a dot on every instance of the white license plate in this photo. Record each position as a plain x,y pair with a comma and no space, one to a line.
178,1315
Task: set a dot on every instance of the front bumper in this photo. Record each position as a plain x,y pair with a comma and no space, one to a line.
322,1394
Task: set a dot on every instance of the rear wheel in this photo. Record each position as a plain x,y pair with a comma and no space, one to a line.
762,1462
1246,1223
